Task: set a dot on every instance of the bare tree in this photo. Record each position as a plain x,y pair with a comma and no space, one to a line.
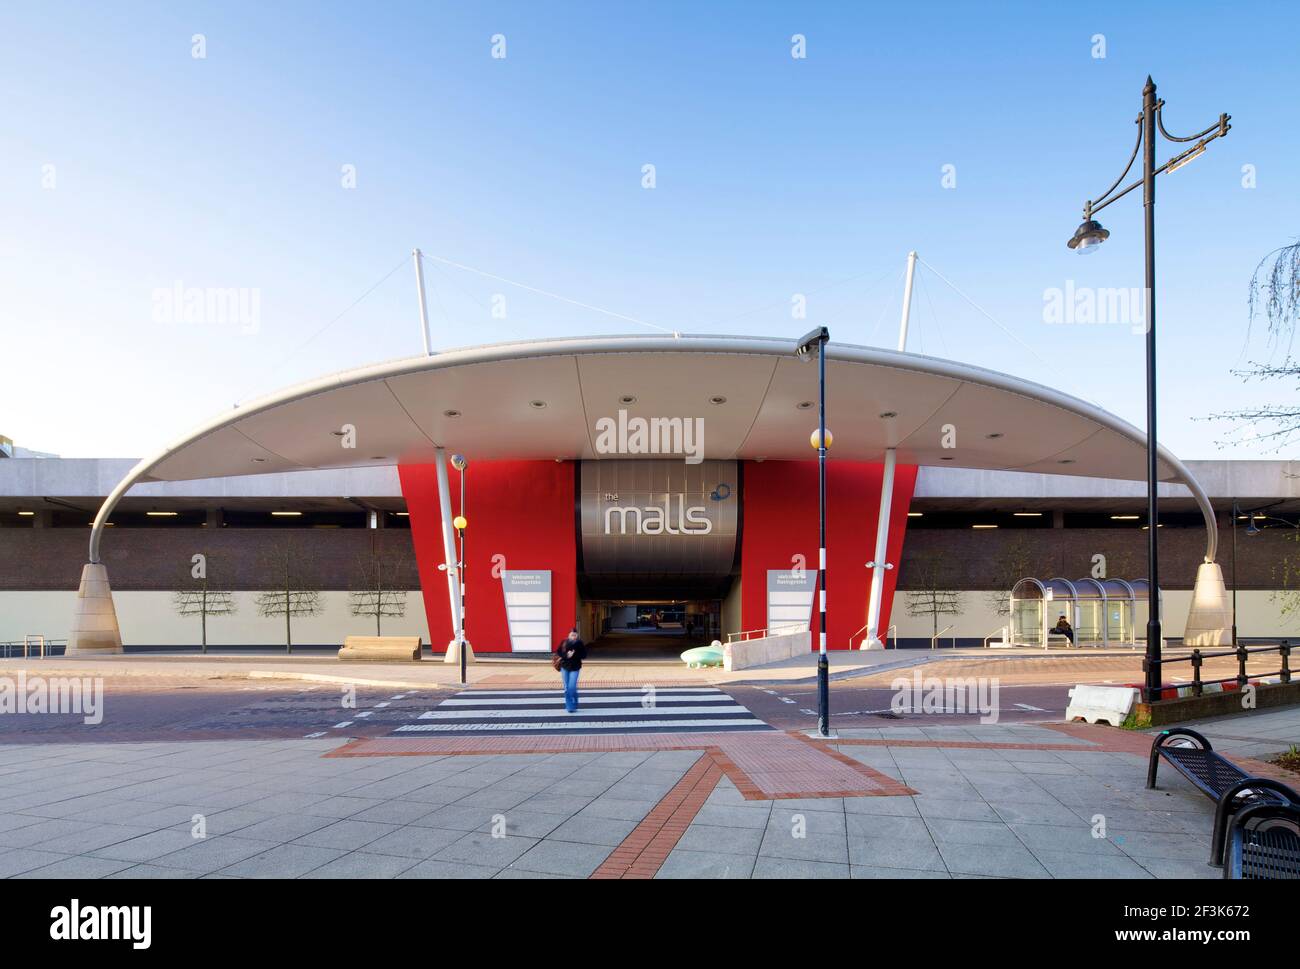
1286,579
1017,560
929,595
380,586
199,597
294,595
1275,296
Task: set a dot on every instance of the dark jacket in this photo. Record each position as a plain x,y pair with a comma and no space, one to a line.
579,653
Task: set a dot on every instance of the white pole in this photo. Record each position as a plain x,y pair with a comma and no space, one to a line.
449,544
907,301
878,564
424,306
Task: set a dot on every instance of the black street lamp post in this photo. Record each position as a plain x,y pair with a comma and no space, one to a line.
1087,237
819,338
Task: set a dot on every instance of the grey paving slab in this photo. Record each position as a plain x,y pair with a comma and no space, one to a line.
686,863
592,830
753,814
18,860
285,827
866,871
618,808
814,836
214,854
436,868
899,806
1034,812
1074,864
284,861
479,848
769,867
957,809
78,867
147,847
562,858
395,812
722,839
343,806
1008,861
154,872
917,854
416,842
362,864
347,834
885,826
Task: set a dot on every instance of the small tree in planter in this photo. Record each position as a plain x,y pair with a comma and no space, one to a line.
200,598
294,595
379,589
929,597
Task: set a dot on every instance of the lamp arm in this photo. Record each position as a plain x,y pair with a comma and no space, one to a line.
1103,199
1221,124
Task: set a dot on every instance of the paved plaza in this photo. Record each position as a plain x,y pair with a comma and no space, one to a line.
1005,800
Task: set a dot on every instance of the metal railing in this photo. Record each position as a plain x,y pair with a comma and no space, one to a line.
745,634
934,640
33,643
1003,631
1242,653
891,633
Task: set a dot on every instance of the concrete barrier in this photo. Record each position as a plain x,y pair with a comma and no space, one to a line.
769,649
381,649
1101,704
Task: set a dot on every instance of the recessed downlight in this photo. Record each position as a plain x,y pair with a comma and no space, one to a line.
627,399
451,413
984,526
1066,461
994,436
286,514
804,404
259,460
161,514
945,458
717,399
886,415
537,404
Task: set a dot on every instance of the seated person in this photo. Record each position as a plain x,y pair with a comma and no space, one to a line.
1063,628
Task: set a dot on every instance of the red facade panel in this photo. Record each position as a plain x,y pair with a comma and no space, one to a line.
780,522
521,516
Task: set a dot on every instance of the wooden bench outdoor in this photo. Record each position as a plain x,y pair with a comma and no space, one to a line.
1231,788
381,649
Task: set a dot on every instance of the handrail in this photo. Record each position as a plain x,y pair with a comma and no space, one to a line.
731,637
1001,630
891,632
935,638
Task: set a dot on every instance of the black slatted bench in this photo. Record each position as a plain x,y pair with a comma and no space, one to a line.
1231,788
1264,843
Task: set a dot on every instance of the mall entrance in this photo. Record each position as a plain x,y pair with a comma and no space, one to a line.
651,629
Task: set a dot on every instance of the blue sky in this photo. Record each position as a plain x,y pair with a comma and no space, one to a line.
775,176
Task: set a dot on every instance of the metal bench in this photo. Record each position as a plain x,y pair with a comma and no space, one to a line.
1231,788
1264,843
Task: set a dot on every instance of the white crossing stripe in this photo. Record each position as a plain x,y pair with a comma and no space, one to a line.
608,710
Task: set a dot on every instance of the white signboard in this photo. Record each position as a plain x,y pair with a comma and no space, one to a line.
528,609
790,595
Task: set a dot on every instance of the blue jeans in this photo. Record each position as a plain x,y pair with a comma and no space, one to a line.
570,689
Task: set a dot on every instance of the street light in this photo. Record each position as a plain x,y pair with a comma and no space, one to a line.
1088,237
821,440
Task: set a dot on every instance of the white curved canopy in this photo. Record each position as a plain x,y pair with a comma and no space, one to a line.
543,399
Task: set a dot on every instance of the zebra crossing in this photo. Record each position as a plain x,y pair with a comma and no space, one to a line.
621,710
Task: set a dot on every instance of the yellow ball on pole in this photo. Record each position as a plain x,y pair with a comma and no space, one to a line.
815,439
460,523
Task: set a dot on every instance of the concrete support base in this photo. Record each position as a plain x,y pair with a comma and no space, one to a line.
871,642
453,652
94,627
1209,621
